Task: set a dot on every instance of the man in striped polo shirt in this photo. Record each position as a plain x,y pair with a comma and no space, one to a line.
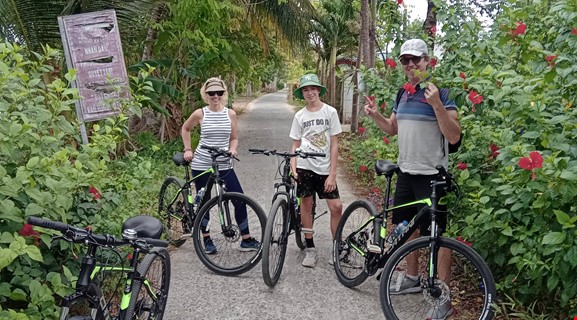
425,121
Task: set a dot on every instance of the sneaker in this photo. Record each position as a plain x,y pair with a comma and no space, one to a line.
250,244
441,312
310,259
209,246
406,285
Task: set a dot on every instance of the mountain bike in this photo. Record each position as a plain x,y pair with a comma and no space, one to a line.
471,283
284,216
146,279
184,216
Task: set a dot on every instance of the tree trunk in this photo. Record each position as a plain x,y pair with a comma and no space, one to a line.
355,111
365,32
332,76
372,34
430,24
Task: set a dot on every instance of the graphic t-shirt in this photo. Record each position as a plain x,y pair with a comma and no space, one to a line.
315,129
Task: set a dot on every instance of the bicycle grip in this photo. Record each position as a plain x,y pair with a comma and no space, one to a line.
49,224
316,154
156,242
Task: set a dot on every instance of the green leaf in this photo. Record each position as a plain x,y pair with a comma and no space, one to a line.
464,175
568,175
34,253
32,162
18,295
552,282
562,217
484,200
553,238
4,289
6,257
516,206
550,76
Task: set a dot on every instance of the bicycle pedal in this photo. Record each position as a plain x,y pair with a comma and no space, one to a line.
374,248
186,235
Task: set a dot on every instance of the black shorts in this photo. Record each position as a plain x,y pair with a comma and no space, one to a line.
309,182
416,187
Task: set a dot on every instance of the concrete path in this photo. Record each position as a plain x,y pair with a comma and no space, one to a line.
302,293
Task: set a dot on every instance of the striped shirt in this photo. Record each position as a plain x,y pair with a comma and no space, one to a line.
215,130
421,143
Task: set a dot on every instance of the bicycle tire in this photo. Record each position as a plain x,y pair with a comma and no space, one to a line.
348,262
230,259
173,215
472,283
299,237
155,271
275,241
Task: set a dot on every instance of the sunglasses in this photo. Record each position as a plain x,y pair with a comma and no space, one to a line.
405,60
218,93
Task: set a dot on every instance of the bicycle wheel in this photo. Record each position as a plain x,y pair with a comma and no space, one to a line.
231,257
469,293
172,210
348,261
149,295
299,237
274,243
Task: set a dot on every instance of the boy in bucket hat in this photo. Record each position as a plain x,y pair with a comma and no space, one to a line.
425,121
315,128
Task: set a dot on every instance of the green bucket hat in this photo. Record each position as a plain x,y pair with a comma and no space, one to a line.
309,80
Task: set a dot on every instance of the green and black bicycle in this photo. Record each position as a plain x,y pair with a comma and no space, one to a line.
145,280
184,217
471,287
284,217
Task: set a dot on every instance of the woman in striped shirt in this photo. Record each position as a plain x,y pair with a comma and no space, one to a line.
218,128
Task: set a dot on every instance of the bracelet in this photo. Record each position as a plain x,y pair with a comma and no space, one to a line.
187,149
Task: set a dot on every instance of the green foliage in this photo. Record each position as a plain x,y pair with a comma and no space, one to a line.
45,172
522,221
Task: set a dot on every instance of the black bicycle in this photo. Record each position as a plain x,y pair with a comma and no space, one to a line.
471,289
221,216
284,217
146,278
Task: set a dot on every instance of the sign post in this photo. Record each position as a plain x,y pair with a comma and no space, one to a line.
92,46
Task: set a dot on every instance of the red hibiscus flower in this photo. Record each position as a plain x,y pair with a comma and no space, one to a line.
551,59
385,140
363,168
462,75
434,29
462,240
475,97
520,29
95,194
574,31
391,63
28,231
494,151
399,2
532,162
409,88
362,130
433,63
461,166
383,105
376,190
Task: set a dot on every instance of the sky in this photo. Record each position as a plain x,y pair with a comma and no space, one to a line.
417,8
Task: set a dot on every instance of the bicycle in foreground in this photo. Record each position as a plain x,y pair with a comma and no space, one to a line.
145,281
471,287
284,217
184,217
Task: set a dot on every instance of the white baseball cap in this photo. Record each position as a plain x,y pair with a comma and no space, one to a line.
414,47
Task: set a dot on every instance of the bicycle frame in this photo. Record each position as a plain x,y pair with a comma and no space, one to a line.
87,289
379,223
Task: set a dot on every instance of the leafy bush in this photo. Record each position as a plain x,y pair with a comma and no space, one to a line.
46,172
515,85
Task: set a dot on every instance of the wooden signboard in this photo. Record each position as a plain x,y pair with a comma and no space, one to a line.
92,46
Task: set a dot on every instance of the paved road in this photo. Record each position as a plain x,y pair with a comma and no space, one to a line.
302,293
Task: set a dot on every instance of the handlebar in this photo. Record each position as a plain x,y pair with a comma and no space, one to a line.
216,152
80,235
297,153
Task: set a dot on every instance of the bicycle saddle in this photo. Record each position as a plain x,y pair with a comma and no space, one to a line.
178,159
385,167
145,226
